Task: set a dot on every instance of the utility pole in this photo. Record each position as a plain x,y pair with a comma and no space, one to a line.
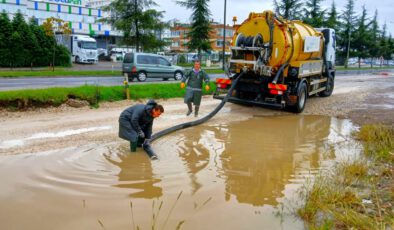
224,33
348,51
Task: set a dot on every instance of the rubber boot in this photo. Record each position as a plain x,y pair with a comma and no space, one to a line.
189,106
133,146
140,141
148,149
196,108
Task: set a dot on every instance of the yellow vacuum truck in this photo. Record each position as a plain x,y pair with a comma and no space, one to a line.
283,62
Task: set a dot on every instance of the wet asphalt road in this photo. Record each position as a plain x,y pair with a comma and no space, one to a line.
47,82
7,84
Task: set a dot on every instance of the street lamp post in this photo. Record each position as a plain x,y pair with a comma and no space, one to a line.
224,34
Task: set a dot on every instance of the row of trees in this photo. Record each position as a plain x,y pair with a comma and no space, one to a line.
27,44
358,35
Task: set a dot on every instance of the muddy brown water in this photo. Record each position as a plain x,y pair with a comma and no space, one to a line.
239,175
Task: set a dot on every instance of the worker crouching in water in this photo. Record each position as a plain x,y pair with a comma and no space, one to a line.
194,80
135,125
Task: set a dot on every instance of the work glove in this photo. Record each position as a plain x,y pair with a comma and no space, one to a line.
183,85
207,87
141,134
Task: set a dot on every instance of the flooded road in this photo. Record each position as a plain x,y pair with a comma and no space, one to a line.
223,175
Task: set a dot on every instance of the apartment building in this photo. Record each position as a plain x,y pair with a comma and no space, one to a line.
179,38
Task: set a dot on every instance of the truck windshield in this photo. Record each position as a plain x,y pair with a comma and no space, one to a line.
89,45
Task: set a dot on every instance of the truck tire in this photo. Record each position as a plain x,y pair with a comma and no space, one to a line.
302,94
77,60
142,76
178,75
329,87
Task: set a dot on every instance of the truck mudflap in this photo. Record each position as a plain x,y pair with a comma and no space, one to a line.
250,102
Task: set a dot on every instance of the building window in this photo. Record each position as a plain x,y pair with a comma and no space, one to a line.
219,43
36,5
175,33
175,44
229,32
59,8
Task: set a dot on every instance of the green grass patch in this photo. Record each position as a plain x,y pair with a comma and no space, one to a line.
60,72
355,194
21,99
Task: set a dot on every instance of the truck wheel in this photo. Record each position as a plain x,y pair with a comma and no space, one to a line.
142,76
329,87
301,98
77,60
178,75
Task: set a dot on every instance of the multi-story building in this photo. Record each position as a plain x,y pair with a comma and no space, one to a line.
97,4
81,19
180,39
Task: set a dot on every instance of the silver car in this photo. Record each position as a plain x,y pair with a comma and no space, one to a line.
144,65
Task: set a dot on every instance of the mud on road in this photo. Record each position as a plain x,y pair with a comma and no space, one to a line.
362,98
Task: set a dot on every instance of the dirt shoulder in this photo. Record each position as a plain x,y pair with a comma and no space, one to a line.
362,98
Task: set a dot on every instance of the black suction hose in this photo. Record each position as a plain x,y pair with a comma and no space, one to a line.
199,121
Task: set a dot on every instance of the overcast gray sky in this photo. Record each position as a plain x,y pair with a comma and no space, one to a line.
241,9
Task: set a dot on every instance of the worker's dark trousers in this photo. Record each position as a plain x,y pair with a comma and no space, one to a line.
135,144
190,107
196,108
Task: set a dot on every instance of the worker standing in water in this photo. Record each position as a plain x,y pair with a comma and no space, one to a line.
194,81
135,125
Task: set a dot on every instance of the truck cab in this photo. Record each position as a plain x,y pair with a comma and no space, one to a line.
84,49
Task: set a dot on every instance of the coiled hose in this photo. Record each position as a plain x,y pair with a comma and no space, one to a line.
185,125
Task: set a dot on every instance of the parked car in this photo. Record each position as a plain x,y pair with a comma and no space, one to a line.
146,65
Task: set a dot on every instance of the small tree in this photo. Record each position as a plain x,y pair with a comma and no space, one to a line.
53,26
349,18
136,21
373,48
313,14
362,37
5,35
288,9
200,25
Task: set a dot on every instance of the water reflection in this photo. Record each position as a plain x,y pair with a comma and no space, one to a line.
195,156
136,173
258,157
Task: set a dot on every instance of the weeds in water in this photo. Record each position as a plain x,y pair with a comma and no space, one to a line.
172,208
132,215
101,224
157,208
